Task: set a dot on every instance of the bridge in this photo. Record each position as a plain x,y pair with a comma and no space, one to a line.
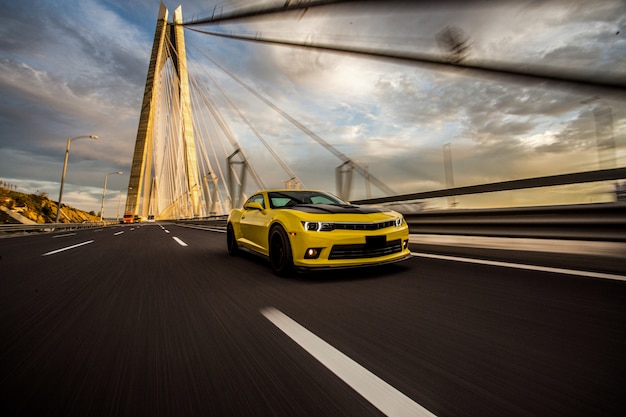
513,311
188,163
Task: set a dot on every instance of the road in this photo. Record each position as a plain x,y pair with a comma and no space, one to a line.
158,320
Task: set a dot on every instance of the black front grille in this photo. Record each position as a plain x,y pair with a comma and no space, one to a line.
364,250
364,226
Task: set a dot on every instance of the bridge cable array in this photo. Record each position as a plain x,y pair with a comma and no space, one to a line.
203,95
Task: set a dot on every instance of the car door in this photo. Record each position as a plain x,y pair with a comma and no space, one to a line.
254,224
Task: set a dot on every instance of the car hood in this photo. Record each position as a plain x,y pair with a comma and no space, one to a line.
333,209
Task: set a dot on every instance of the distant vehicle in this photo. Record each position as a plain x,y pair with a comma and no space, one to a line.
128,217
151,217
302,229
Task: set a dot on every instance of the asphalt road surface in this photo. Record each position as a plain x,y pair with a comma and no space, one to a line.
158,320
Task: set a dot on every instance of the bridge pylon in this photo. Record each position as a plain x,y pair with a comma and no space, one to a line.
166,36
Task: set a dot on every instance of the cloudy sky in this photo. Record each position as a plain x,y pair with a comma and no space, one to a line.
71,68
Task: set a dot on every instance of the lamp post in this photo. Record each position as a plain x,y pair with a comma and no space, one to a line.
67,152
104,191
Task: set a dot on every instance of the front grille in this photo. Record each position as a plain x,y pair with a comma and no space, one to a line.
364,251
364,226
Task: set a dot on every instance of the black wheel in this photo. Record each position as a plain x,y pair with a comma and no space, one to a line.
280,252
231,242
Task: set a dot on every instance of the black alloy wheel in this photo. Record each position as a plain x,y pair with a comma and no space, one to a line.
231,242
281,258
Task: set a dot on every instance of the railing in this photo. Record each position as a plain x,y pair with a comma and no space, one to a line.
600,222
12,229
522,184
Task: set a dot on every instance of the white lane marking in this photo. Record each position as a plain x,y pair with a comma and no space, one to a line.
118,233
180,242
167,231
69,247
581,247
587,274
382,395
209,228
67,234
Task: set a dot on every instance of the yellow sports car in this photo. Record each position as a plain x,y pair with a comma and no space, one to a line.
302,229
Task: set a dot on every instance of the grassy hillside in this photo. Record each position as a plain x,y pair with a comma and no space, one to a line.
39,208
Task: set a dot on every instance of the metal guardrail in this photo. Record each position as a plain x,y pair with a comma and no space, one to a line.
11,229
597,222
548,181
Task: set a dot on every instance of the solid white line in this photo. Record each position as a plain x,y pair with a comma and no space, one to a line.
180,242
118,233
67,234
587,274
209,228
382,395
69,247
581,247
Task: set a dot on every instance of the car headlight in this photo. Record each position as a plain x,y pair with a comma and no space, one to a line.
399,221
318,226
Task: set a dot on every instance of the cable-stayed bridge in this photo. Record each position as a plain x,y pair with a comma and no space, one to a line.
183,139
189,163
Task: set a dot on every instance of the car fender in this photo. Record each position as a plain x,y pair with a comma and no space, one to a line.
234,218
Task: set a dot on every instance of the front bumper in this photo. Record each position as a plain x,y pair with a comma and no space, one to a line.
350,248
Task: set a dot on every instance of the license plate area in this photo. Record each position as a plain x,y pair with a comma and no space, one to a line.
375,242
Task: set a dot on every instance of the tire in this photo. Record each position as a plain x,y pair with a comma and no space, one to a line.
231,241
281,258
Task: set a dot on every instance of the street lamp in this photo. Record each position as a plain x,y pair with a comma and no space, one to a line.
104,190
67,152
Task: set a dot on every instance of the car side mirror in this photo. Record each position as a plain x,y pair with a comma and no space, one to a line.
253,205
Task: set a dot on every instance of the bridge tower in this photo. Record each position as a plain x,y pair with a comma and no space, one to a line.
139,184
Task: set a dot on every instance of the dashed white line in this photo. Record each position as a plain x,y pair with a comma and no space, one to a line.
383,396
69,247
118,233
180,242
587,274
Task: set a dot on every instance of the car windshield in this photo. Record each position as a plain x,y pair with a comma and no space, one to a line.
290,198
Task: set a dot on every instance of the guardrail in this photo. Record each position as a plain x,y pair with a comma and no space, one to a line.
11,229
600,222
611,174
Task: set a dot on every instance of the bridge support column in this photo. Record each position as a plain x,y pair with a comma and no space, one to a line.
344,187
138,199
